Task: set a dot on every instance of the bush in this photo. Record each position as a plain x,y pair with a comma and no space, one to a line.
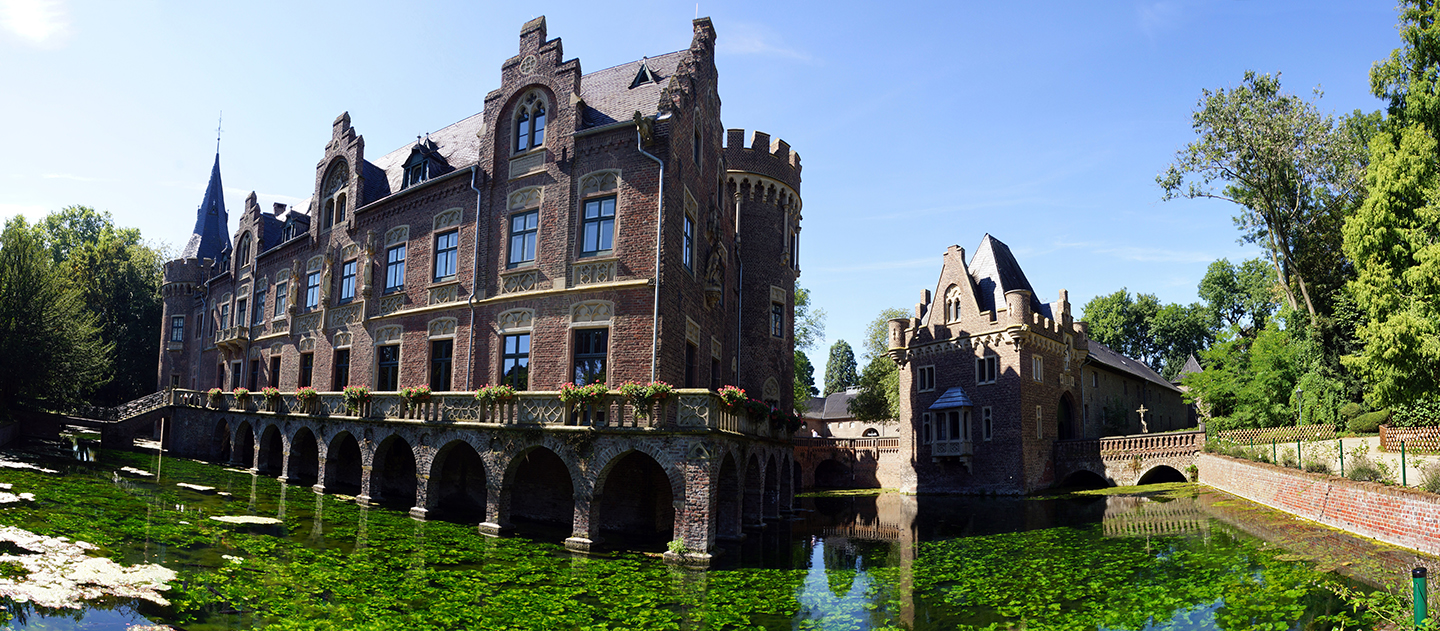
1361,468
1368,423
1288,460
1418,413
1430,477
1350,411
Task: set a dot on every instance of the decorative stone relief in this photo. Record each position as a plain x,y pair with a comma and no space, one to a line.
442,327
528,64
444,294
770,391
592,311
778,295
599,182
344,315
343,339
519,282
692,332
277,348
255,352
694,410
391,304
398,234
698,452
592,272
314,264
525,198
349,252
307,344
279,326
516,320
527,164
307,323
387,334
447,219
716,350
548,411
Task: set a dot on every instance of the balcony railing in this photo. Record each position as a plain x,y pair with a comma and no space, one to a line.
235,335
878,444
686,410
941,448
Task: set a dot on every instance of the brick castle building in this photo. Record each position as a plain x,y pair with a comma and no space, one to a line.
580,228
991,377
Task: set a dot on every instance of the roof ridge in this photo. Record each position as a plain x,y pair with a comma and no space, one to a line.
644,58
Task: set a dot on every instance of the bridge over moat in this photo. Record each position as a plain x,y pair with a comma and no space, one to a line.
687,470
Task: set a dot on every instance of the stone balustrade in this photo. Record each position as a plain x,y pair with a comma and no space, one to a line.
1142,445
687,409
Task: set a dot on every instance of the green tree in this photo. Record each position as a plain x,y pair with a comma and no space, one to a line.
51,354
119,277
879,396
1241,297
804,381
1123,323
840,369
809,329
1290,168
1394,238
1179,331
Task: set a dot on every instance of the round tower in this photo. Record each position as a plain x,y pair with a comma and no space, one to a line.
178,342
763,181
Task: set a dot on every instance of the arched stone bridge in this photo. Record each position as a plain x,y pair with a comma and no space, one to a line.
1127,460
689,470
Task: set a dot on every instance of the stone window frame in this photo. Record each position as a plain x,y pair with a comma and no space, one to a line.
334,194
1039,422
349,272
987,365
599,222
595,186
953,294
523,201
391,335
926,429
987,422
396,237
445,223
177,328
242,253
258,316
588,314
925,378
515,322
1037,368
527,105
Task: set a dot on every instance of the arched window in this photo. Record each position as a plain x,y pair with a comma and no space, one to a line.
333,195
871,433
530,122
952,304
242,253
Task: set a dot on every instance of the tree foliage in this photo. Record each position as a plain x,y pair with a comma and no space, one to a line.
1239,296
840,369
1394,238
804,381
879,396
51,353
809,328
119,278
1293,171
1162,336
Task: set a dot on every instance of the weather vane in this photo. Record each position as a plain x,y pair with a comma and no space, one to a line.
218,125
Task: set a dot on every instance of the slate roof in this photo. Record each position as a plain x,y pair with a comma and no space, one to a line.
609,97
211,237
833,407
1191,367
953,398
1102,354
456,144
995,272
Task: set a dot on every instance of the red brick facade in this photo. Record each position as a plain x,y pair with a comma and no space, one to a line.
685,289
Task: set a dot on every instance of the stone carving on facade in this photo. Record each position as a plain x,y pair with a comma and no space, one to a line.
389,333
715,273
694,410
447,219
442,327
308,323
516,320
307,344
692,331
392,303
544,411
344,315
592,311
327,270
444,294
525,198
343,339
599,182
519,282
397,235
592,272
276,348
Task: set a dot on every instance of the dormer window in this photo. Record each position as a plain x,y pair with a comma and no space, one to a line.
334,196
417,169
530,123
643,76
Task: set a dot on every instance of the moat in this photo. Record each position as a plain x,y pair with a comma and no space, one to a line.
1183,559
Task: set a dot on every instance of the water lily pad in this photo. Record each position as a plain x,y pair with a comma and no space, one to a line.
60,573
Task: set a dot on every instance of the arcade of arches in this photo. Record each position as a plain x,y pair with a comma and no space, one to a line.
616,487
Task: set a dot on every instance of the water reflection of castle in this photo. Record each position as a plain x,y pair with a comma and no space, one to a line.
1130,516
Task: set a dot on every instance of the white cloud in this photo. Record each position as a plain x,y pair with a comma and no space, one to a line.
40,22
746,39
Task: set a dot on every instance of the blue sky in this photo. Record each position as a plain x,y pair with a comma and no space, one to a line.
920,125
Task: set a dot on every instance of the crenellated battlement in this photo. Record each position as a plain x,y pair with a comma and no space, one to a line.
182,275
763,156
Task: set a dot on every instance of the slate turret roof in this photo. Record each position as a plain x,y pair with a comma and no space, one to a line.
996,272
211,237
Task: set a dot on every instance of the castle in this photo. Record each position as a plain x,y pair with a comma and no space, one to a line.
991,377
583,228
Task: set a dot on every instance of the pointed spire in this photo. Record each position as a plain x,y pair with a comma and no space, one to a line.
212,224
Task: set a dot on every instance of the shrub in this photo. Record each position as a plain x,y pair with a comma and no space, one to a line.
642,397
355,396
1430,476
1368,423
1361,468
733,398
576,396
1287,458
215,396
1350,410
1418,413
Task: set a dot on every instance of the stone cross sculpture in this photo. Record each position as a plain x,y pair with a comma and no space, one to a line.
1144,428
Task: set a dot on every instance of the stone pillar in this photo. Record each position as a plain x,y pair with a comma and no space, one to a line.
497,509
752,514
695,514
285,462
422,505
787,488
320,475
584,531
363,498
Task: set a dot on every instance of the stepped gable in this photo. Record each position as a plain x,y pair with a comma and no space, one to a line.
996,273
457,145
211,237
609,97
772,159
1103,354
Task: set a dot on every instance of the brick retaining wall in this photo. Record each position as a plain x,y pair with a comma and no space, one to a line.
1398,516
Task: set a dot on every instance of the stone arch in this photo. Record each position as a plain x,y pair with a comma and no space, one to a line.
547,483
304,465
1084,479
831,474
752,510
728,499
772,488
244,442
1065,418
787,482
220,442
344,464
641,500
270,459
953,296
392,473
456,488
1160,473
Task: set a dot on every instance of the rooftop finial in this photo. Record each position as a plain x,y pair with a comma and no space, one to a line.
218,125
